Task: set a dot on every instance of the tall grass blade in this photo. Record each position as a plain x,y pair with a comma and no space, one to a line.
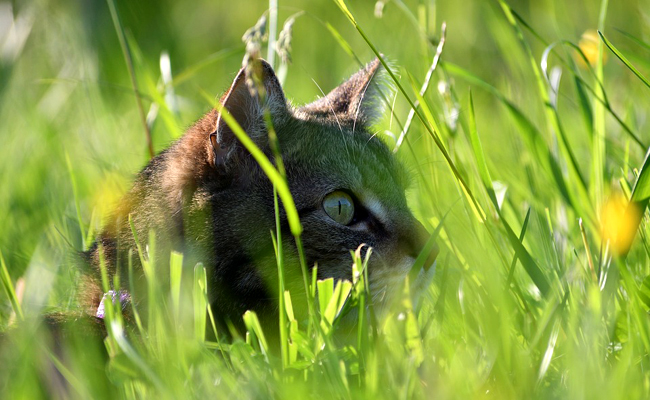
200,294
9,288
283,312
479,155
635,39
175,273
639,198
475,205
521,252
75,194
253,325
271,172
119,29
425,86
599,144
621,57
581,199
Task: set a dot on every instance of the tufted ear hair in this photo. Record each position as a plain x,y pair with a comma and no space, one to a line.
251,94
357,101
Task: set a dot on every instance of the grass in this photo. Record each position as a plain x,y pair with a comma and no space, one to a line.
528,153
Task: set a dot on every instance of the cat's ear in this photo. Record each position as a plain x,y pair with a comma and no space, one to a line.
357,101
251,94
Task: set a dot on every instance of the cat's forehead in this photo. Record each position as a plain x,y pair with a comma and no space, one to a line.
353,155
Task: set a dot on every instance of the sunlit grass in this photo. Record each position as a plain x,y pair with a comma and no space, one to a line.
528,154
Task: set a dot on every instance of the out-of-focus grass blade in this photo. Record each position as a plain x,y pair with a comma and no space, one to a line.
548,354
585,109
279,257
522,234
527,261
479,155
521,252
75,194
69,376
635,39
640,196
175,269
190,71
599,144
621,57
426,250
637,306
644,292
474,205
582,202
598,92
411,326
430,131
641,189
342,42
126,50
9,287
325,291
532,136
200,301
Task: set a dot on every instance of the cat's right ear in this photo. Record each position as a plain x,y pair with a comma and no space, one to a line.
251,94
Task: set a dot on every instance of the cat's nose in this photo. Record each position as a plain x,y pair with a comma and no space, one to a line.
416,241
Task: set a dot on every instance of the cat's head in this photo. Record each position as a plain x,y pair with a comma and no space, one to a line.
347,185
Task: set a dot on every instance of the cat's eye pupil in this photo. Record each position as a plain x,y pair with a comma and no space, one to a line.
339,206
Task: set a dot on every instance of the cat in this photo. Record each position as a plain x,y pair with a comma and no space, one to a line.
206,197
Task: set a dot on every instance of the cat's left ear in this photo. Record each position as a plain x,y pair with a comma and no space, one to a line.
251,94
357,101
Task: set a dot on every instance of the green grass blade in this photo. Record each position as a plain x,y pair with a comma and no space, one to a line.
635,39
253,325
119,29
621,57
213,58
279,255
641,189
426,249
430,131
200,294
271,172
479,155
435,127
582,200
342,42
175,273
547,163
599,144
521,252
522,234
9,288
75,194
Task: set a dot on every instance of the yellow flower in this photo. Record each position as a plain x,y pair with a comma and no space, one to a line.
110,191
619,220
589,45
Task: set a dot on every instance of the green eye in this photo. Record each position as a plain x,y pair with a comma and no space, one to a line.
339,206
